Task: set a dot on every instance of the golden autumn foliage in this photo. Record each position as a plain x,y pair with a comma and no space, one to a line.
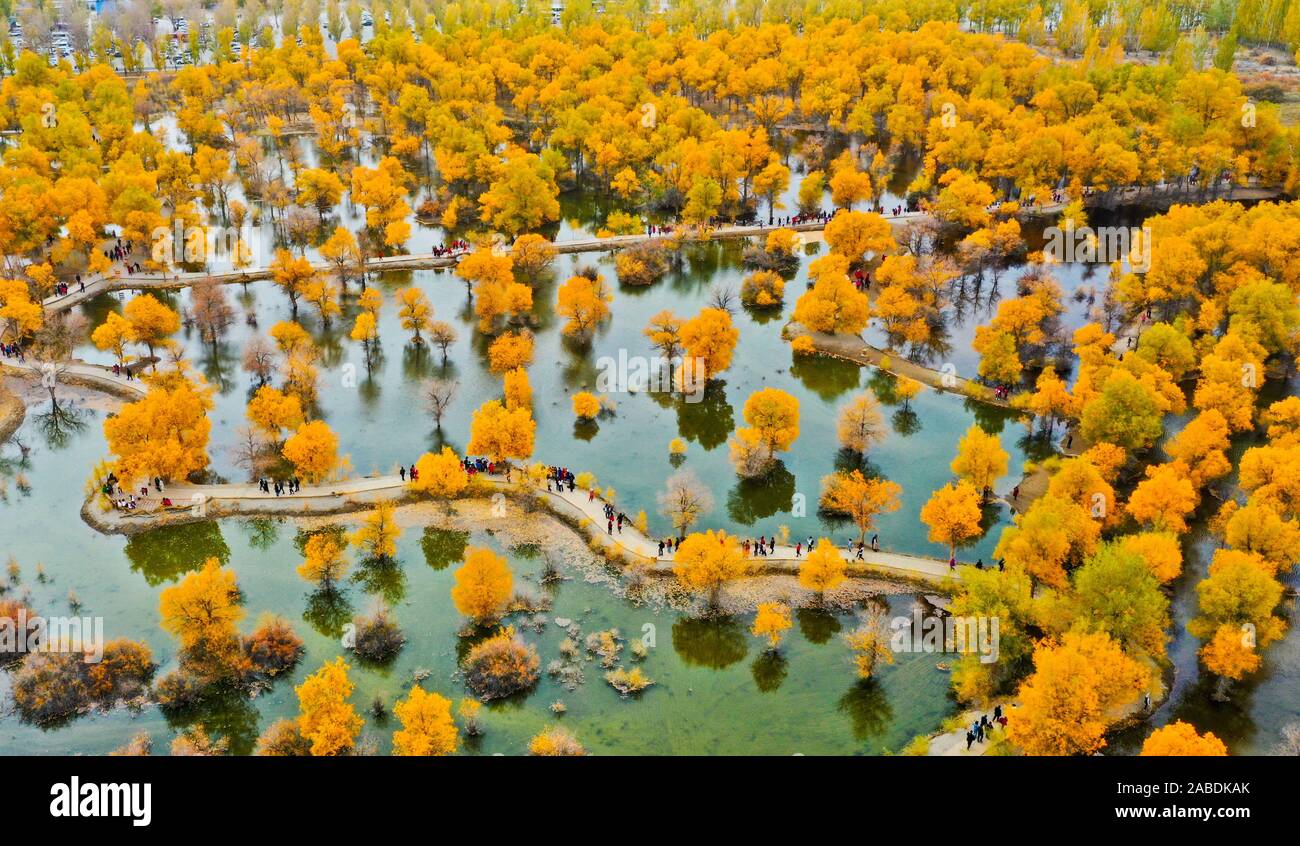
151,321
510,351
1269,474
1052,533
496,295
981,460
272,412
313,451
1180,738
773,418
869,645
531,255
291,274
325,560
664,331
427,726
201,611
854,235
164,434
114,335
1199,451
953,515
584,302
586,405
762,289
710,338
705,561
1160,551
414,312
21,317
1238,601
1164,498
1257,528
771,622
1078,481
1230,653
517,390
501,433
1075,695
441,475
326,719
1051,398
833,305
483,586
858,498
906,389
501,665
377,537
823,568
1283,421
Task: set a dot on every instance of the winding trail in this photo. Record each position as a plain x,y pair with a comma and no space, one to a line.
202,502
118,281
77,372
855,349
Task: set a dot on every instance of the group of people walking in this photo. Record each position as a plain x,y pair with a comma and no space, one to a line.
62,288
981,728
454,248
129,500
558,477
613,519
282,487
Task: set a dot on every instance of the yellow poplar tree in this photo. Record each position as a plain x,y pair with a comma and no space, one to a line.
823,569
441,475
483,586
771,622
1179,739
859,498
1077,691
326,719
313,451
427,726
705,561
377,537
980,458
325,560
501,433
953,515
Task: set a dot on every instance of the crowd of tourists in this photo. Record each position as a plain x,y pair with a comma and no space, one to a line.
280,486
124,500
980,730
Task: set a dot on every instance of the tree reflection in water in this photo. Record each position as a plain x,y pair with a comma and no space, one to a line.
817,625
868,709
714,642
752,500
60,423
769,670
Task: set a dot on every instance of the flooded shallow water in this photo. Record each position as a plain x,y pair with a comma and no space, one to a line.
715,690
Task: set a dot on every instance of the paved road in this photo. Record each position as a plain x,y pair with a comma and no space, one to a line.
75,371
331,497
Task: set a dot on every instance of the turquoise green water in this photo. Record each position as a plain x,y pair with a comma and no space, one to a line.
715,691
